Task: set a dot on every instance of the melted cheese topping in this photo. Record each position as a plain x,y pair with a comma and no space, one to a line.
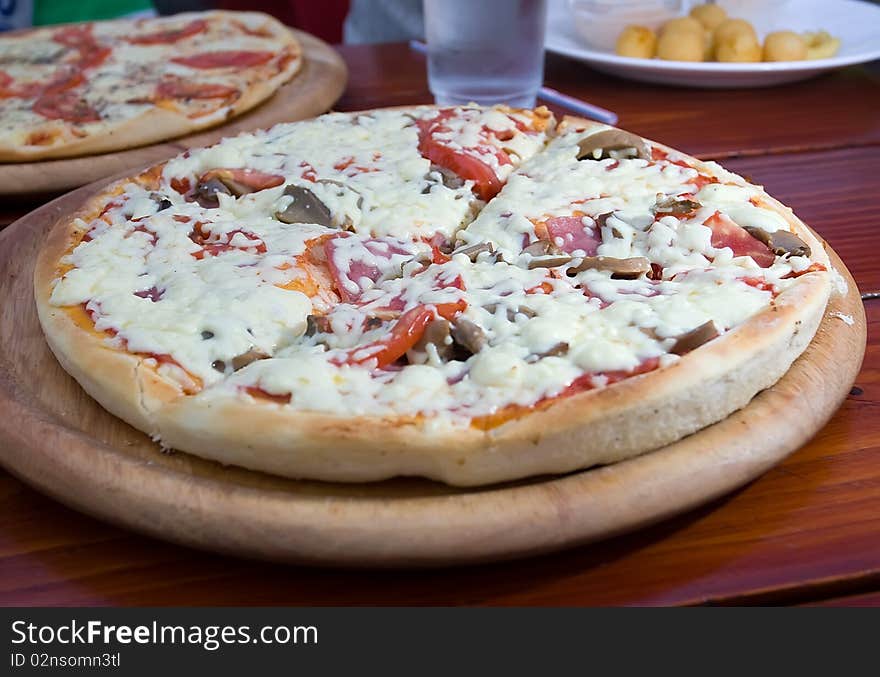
372,177
205,285
467,133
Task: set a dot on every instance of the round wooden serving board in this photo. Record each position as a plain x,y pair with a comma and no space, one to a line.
56,438
313,90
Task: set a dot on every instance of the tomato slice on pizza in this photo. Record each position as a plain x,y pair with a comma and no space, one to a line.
727,234
170,35
480,146
224,59
178,88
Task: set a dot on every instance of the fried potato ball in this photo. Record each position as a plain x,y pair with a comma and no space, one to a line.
730,27
739,47
637,41
709,15
708,46
784,46
821,45
707,34
681,23
682,46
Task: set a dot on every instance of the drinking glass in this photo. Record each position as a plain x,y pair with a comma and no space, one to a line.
490,51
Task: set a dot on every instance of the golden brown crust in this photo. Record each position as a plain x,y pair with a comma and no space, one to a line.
595,427
106,374
159,124
601,426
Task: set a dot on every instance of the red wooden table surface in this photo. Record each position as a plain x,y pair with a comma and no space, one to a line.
806,532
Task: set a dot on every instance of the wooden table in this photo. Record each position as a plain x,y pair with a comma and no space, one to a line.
806,532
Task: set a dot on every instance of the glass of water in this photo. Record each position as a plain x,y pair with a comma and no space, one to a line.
489,51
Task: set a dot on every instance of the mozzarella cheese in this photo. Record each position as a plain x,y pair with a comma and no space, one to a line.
205,285
373,177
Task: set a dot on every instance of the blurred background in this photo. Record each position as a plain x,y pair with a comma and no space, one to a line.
335,21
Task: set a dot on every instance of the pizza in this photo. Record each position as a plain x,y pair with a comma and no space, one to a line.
88,88
467,294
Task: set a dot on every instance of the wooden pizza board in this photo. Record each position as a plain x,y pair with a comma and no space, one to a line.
57,439
312,91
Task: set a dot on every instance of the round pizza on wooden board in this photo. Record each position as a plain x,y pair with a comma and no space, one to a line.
470,295
81,89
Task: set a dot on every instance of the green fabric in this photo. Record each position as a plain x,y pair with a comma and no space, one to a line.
55,12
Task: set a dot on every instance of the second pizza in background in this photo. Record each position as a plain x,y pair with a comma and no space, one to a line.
80,89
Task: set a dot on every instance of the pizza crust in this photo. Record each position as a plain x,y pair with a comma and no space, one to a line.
602,426
118,380
160,124
607,425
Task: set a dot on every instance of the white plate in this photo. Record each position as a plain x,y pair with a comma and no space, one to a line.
857,24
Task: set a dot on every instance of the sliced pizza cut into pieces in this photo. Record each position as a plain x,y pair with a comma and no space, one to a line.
371,318
199,291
